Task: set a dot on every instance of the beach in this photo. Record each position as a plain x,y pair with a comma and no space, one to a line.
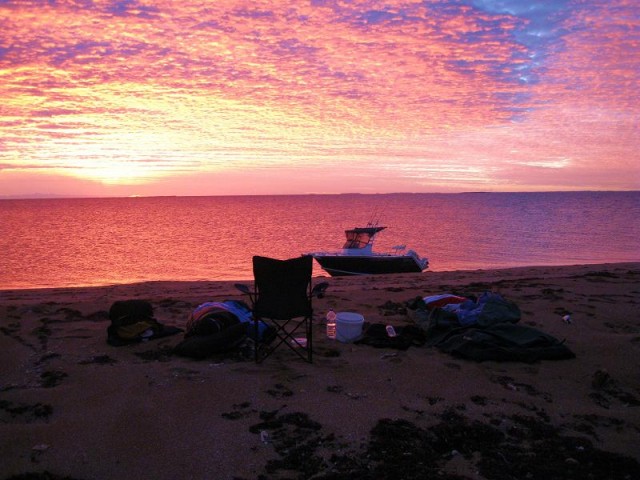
75,407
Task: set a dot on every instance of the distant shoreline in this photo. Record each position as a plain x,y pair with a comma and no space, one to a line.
53,196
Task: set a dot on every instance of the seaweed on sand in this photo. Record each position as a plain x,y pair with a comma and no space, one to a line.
508,448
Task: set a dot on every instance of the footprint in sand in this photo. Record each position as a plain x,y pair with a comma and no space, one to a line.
280,391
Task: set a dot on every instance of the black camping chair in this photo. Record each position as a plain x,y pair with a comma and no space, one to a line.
281,299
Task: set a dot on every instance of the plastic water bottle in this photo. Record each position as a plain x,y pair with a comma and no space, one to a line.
331,324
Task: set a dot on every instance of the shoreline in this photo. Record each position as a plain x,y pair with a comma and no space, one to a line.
315,277
74,406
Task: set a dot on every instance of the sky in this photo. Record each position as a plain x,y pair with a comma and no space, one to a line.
232,97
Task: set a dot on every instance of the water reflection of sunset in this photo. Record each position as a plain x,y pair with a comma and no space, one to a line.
269,97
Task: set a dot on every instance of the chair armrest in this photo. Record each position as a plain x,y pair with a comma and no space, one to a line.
243,288
247,291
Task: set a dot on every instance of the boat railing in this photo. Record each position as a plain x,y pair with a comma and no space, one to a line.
423,262
398,248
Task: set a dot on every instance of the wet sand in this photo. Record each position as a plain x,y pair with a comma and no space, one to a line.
75,407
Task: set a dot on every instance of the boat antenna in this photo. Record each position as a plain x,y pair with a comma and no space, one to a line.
375,219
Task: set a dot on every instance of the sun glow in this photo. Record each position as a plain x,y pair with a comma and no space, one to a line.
116,174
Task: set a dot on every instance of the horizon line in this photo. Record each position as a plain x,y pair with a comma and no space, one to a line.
53,196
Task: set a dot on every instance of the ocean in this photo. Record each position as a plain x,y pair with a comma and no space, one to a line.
101,241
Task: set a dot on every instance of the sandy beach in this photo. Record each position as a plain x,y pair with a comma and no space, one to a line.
72,406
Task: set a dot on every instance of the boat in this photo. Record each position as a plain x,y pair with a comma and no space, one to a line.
358,258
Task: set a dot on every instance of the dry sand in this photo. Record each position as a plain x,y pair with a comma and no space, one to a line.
73,406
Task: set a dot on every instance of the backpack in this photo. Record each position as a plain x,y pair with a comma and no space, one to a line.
132,321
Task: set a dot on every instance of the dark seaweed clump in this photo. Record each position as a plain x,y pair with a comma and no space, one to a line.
524,447
27,412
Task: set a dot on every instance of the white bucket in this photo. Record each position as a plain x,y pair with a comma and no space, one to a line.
348,326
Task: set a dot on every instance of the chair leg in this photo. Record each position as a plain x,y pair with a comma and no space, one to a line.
284,336
310,340
256,341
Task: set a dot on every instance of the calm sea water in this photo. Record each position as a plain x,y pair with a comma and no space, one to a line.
73,242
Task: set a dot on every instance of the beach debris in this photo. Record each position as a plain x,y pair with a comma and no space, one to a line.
47,356
567,319
24,411
607,389
299,342
279,391
511,384
37,451
240,410
340,389
300,447
390,308
161,354
297,440
356,396
479,400
327,352
99,359
553,293
388,355
601,379
50,379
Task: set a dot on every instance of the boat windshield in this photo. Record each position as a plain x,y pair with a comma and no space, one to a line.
360,237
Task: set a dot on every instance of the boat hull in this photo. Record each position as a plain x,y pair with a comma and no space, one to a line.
343,265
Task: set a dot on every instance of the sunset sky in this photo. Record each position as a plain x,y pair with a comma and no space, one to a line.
112,98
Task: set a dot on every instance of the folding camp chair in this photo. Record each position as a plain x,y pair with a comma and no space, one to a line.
281,298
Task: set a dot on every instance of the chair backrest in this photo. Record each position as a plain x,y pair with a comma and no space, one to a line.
283,287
